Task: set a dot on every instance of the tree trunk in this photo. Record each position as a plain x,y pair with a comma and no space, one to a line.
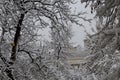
16,38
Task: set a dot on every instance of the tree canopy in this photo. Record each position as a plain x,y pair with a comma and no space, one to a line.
104,45
23,55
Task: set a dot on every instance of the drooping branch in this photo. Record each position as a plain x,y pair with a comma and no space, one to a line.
28,54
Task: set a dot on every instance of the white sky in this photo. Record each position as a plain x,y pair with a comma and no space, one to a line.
78,31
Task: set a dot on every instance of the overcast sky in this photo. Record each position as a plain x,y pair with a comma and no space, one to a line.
78,32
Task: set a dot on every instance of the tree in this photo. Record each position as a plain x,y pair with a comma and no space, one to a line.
20,23
105,43
60,41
